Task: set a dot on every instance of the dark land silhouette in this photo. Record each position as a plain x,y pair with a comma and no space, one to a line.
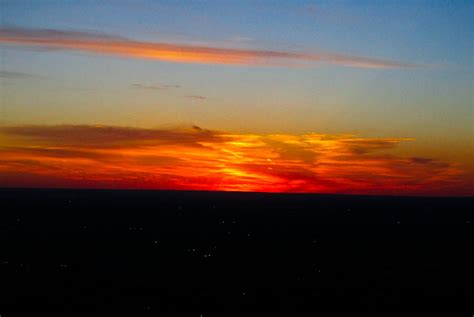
155,251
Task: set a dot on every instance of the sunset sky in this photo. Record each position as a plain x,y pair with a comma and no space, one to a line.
359,97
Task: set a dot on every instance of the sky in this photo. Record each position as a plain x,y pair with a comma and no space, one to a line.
362,97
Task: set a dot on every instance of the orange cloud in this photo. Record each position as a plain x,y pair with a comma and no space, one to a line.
199,159
113,45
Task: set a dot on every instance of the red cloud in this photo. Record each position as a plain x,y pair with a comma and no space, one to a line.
199,159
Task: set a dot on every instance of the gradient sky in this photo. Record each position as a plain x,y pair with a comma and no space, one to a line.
395,77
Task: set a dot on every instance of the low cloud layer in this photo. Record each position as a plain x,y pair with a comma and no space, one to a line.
185,53
200,159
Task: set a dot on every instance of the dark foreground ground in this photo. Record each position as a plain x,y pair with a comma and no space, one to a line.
152,251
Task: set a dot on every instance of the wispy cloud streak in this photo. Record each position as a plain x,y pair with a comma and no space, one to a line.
14,75
196,97
155,87
200,159
113,45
